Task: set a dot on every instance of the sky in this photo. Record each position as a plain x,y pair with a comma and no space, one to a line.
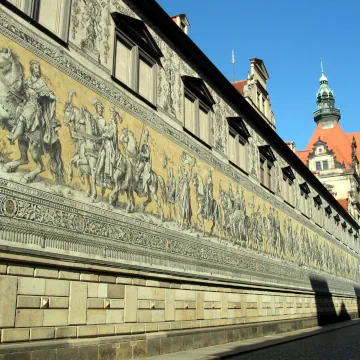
290,37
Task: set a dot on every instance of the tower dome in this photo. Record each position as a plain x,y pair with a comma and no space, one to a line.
325,100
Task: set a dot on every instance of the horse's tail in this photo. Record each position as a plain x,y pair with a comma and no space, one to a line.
56,164
162,188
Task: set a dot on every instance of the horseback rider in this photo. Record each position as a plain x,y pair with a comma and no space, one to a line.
144,163
37,115
109,150
209,196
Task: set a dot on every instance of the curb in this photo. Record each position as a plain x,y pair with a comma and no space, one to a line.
219,352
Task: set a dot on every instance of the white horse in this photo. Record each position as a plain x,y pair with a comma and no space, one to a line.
127,178
74,119
202,213
12,94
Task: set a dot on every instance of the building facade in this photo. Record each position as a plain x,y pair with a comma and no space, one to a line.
145,206
253,88
331,154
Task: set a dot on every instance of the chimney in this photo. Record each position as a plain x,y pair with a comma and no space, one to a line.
182,22
291,145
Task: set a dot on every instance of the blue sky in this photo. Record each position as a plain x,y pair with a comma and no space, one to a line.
290,37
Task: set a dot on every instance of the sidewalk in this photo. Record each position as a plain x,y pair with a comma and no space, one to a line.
225,351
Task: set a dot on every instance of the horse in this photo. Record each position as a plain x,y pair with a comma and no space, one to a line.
202,213
74,120
90,156
12,94
127,179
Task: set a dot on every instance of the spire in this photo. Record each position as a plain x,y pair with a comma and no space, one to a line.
325,100
323,77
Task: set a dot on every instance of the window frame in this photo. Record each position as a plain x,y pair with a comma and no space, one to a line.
196,91
30,14
267,160
238,130
137,54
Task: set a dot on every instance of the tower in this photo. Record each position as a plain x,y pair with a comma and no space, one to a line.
326,112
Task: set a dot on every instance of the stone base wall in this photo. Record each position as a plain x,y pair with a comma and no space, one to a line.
136,316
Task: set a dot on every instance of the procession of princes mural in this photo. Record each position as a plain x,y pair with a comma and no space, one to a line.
105,154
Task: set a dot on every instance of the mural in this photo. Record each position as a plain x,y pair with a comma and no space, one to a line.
84,148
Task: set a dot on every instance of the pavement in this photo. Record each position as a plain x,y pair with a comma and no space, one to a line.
337,341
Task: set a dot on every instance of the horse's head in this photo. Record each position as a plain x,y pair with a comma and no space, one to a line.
69,109
124,137
195,180
6,58
68,113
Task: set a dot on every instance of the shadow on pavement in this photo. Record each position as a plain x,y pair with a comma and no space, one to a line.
357,293
325,308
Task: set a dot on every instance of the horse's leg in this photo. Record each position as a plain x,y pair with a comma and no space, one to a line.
70,169
156,198
92,164
113,197
23,144
148,200
212,227
36,155
88,182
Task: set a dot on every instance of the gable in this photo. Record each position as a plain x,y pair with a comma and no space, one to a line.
238,125
198,88
288,172
267,152
261,67
305,188
137,31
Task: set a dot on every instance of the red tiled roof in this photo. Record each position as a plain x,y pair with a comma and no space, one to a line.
239,86
336,140
344,203
303,155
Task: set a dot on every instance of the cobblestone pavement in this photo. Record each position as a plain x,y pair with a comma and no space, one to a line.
341,344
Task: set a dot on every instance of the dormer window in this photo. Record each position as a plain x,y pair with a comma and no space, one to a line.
135,58
304,199
288,188
318,216
198,104
325,165
318,166
267,160
238,141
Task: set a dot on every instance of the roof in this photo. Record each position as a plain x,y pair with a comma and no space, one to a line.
303,155
336,140
261,67
240,85
344,203
153,13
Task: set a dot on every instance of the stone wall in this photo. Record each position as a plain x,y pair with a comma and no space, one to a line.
90,267
55,303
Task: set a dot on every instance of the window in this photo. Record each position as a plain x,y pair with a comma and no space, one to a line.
258,99
264,106
238,140
318,215
269,176
304,199
267,159
318,166
288,178
198,104
325,165
135,57
262,170
52,15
